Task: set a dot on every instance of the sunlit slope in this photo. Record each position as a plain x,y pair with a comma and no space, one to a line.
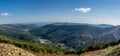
11,50
110,51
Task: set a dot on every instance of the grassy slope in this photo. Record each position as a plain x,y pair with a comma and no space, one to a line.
28,49
11,50
31,46
110,51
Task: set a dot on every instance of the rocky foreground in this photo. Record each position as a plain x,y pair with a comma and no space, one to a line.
11,50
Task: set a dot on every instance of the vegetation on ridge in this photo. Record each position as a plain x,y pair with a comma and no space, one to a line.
31,46
96,47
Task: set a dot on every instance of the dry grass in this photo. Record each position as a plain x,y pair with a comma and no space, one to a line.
102,52
11,50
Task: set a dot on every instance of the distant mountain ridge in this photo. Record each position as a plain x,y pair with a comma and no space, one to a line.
104,25
95,25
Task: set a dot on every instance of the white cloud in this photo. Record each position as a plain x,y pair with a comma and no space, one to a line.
83,10
5,14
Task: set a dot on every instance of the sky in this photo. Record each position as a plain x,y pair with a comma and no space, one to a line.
75,11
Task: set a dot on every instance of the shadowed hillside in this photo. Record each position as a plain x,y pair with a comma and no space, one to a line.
77,35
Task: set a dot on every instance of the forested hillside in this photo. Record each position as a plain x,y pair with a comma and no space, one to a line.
77,35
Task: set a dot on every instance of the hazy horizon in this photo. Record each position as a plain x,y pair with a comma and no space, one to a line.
74,11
